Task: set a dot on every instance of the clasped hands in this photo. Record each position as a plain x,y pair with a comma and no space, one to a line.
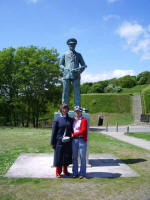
78,69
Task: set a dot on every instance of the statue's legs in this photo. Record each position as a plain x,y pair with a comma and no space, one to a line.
76,87
66,89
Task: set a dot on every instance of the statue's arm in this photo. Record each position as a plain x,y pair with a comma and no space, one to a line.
82,63
62,63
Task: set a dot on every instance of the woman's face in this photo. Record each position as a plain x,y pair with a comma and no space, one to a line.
78,114
65,111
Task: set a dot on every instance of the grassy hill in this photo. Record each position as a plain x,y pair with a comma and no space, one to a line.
134,90
111,103
114,108
146,98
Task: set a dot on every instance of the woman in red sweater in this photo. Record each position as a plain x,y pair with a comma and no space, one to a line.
79,143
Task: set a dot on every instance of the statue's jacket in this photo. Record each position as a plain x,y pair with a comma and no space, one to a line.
70,65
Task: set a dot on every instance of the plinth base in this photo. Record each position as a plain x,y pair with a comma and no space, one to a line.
38,165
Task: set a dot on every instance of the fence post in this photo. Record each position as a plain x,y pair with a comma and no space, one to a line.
117,127
127,129
107,127
142,102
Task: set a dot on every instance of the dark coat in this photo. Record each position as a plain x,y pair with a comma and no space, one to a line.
62,151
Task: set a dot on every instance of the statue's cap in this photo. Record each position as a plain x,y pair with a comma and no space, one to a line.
72,40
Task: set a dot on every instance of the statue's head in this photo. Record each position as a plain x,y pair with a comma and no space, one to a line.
72,43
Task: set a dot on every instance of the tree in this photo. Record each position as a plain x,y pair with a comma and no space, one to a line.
98,87
85,88
143,78
8,84
127,81
29,78
38,74
111,89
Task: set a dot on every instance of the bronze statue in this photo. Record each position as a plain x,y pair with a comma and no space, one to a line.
69,65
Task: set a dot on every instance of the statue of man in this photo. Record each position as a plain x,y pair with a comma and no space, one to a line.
69,65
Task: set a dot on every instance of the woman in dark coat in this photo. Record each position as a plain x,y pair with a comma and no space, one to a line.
62,151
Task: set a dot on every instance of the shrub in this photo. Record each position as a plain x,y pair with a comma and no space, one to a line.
143,78
127,81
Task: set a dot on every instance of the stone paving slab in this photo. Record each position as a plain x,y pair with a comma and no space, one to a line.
39,165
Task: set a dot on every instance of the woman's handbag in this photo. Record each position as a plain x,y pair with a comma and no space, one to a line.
65,138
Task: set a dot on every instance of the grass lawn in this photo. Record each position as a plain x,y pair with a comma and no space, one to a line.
15,141
145,135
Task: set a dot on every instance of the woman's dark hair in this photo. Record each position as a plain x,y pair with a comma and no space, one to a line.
64,106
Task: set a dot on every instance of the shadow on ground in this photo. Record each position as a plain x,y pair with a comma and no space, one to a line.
113,162
133,161
103,175
97,129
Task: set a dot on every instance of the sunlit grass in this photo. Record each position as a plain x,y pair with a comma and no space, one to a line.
15,141
145,135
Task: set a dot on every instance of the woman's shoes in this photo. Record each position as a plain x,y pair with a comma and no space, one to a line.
75,176
81,177
67,174
58,175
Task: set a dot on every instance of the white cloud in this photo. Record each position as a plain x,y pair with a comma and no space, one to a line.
112,1
137,38
142,45
119,73
109,17
130,32
87,77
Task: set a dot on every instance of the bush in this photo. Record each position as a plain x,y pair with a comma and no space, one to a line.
143,78
112,89
109,89
85,88
127,81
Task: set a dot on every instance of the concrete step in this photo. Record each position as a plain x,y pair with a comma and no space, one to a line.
137,108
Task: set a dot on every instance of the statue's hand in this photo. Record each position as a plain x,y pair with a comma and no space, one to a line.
79,69
83,68
75,70
61,67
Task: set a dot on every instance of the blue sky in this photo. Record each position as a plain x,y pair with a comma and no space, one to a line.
113,35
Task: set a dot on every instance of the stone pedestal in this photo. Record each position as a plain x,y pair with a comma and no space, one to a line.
87,116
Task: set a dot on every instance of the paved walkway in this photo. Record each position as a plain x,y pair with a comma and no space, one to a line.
137,108
132,128
129,139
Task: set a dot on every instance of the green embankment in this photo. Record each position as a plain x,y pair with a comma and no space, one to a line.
114,108
134,90
146,98
111,103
